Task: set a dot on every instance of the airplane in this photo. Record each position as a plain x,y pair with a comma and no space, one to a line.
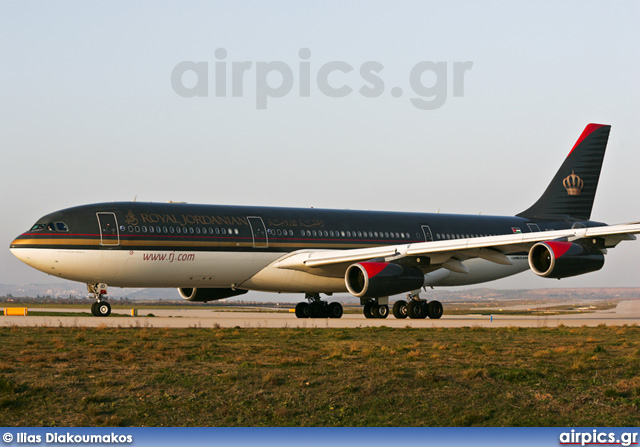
212,252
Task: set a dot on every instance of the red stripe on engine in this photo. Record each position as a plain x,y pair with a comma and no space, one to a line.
559,248
373,268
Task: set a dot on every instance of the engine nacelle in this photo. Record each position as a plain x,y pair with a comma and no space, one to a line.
378,279
555,259
204,295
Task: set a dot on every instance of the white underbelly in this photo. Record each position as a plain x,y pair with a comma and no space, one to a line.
124,268
481,271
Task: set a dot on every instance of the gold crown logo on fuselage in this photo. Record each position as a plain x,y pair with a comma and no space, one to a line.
130,218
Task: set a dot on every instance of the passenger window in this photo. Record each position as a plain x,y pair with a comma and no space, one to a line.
158,229
137,229
197,230
130,229
144,229
164,230
171,230
151,230
191,230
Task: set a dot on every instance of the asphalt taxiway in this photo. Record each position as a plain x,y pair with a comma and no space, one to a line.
626,313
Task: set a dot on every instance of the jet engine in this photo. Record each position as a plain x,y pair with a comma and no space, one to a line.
377,279
555,259
204,295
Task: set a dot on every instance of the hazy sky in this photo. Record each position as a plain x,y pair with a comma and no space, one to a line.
88,112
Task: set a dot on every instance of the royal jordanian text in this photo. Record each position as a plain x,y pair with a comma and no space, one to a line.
68,438
192,219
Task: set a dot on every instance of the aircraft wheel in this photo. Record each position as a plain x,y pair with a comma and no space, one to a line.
367,310
416,309
302,310
94,310
316,309
435,309
335,310
400,309
103,309
381,311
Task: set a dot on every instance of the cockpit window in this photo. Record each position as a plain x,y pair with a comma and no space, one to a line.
51,226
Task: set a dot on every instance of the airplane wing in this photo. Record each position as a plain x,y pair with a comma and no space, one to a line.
449,253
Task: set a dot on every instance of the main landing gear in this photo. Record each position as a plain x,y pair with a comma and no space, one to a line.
99,292
375,309
417,308
316,308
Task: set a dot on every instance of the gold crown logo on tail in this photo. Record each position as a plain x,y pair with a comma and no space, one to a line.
573,184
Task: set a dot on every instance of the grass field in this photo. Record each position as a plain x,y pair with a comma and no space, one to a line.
320,377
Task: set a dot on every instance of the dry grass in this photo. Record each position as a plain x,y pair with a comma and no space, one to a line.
320,377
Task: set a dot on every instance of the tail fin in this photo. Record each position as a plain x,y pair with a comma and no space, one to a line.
572,190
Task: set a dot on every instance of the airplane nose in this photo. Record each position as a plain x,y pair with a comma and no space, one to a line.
16,248
18,241
15,243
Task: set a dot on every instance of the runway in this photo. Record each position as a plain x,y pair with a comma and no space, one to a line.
626,313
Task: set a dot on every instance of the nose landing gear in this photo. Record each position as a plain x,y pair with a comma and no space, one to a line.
101,308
